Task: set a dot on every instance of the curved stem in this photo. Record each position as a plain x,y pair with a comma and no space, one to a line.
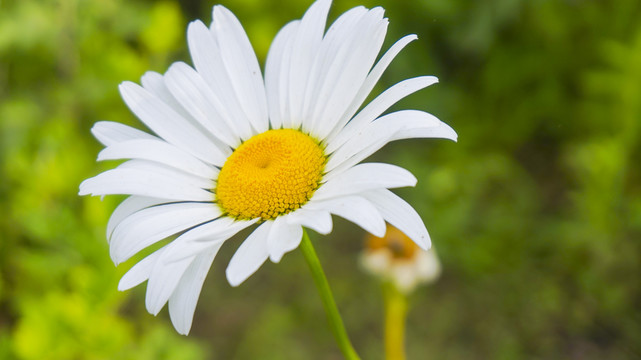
395,314
333,317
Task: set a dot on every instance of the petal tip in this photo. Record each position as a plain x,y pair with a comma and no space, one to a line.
125,85
424,244
232,277
452,134
114,258
122,286
83,188
275,258
234,282
153,307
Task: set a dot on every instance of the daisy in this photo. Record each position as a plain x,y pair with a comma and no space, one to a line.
402,265
231,150
396,258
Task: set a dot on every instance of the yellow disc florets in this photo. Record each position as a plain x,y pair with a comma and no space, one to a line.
399,246
270,174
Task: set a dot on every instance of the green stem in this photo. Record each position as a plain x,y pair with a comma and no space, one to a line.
333,317
395,315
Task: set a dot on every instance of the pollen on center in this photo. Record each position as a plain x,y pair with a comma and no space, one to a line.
270,174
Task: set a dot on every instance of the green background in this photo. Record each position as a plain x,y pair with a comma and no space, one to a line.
535,212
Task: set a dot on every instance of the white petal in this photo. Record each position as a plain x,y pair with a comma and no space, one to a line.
305,45
335,42
162,170
159,151
395,126
375,108
348,72
366,142
109,133
371,80
283,237
422,125
182,302
355,209
317,220
167,123
153,224
364,177
128,181
241,64
171,269
129,206
139,272
188,87
163,281
204,237
207,57
339,168
155,84
400,214
251,254
277,74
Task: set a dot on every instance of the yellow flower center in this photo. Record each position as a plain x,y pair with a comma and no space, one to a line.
270,174
396,242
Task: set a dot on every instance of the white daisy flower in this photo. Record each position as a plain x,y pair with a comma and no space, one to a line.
232,149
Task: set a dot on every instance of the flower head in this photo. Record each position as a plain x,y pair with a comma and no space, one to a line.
231,149
396,258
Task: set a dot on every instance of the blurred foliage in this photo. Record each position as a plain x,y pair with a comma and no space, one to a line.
536,212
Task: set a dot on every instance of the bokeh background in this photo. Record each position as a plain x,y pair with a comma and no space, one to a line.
535,212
